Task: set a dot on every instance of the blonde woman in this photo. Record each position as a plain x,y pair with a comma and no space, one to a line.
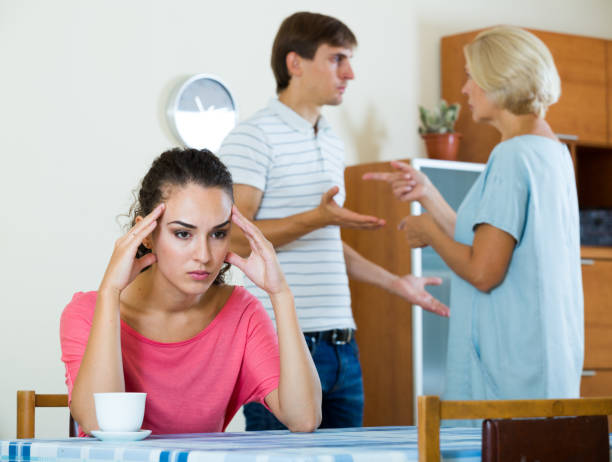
516,326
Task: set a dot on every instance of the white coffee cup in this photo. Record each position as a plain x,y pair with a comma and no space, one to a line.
120,412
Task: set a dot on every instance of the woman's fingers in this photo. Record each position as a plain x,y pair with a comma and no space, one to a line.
262,266
235,260
410,223
402,183
401,166
138,233
242,223
380,176
389,177
401,188
253,243
144,225
252,233
240,220
124,266
156,212
133,239
142,262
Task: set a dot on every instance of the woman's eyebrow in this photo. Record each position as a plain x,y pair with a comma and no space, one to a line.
182,223
222,224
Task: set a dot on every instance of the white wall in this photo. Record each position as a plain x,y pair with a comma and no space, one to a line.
83,85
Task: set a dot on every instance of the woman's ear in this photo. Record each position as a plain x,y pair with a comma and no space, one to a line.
148,242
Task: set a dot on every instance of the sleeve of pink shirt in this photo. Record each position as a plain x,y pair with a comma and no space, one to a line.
75,325
260,370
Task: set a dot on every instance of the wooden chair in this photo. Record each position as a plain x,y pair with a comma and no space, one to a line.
431,410
28,401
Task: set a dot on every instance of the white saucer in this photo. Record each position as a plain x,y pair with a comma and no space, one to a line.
121,436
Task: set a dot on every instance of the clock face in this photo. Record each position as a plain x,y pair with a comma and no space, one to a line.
202,112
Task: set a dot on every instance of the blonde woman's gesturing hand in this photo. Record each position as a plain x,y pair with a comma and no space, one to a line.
262,265
124,266
407,183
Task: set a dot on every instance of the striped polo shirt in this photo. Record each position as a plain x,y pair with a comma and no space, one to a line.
278,152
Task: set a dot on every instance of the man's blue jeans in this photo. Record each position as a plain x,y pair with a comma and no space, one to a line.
340,374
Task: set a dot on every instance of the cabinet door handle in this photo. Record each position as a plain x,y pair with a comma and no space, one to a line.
589,373
587,261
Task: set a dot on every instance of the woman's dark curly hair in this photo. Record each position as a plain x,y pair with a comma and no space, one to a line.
180,167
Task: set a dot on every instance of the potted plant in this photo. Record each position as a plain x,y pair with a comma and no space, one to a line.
437,130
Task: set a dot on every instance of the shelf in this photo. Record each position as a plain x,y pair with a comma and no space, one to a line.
596,253
587,144
593,167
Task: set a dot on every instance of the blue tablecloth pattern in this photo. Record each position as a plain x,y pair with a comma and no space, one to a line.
392,444
389,444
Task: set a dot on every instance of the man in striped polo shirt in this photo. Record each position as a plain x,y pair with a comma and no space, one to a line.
288,170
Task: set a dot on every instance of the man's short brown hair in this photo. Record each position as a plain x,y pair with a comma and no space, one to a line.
303,33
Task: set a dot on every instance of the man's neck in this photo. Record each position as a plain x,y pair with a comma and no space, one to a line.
302,106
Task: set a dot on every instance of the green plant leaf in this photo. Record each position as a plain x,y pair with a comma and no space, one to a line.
441,119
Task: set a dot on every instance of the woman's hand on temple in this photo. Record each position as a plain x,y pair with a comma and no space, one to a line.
124,266
407,183
261,266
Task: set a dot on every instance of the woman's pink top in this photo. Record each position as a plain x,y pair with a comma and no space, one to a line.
196,385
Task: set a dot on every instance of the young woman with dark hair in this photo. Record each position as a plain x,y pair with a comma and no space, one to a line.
163,321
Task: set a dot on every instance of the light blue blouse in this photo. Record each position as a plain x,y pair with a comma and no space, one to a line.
525,338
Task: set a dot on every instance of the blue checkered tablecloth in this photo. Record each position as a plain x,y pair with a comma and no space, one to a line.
389,444
337,445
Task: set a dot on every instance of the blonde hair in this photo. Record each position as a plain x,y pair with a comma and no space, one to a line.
515,69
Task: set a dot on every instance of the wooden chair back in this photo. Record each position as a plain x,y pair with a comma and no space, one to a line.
549,439
431,410
28,401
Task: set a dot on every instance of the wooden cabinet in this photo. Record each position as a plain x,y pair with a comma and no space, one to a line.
597,284
596,383
384,321
609,74
583,110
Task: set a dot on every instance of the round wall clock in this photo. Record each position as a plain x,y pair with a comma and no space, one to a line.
202,111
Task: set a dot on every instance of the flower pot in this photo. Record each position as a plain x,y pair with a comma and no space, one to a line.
443,146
